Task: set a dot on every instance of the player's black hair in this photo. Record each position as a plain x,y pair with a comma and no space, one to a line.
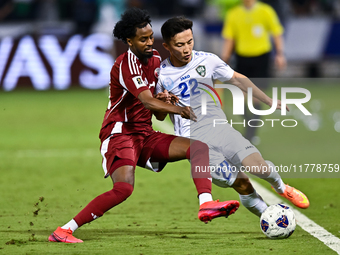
173,26
131,19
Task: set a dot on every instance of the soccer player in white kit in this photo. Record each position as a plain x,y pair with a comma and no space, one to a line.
186,77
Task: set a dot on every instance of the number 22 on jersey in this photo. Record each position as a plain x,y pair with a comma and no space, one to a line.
187,88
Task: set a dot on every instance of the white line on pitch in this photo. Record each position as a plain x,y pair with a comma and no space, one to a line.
302,220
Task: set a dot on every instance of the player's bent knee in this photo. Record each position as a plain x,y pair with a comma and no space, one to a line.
197,148
122,190
125,173
254,159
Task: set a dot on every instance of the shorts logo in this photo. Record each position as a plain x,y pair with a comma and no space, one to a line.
138,82
201,70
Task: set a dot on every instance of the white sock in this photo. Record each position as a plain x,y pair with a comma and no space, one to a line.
275,179
72,224
254,203
205,197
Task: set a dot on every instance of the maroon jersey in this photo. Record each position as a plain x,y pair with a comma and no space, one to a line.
126,114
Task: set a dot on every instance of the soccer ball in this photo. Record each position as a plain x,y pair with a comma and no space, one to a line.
278,221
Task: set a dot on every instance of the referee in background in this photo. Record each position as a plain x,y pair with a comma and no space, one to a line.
247,30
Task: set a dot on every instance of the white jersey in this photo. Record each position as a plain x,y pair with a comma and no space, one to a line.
191,83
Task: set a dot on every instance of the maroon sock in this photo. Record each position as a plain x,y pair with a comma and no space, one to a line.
198,153
104,202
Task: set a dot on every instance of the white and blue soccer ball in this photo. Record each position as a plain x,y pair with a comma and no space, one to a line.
278,221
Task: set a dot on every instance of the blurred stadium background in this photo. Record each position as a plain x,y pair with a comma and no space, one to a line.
55,44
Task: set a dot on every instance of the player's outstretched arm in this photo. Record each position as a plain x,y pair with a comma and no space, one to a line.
243,82
156,105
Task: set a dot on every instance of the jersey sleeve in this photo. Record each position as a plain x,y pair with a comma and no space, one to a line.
130,77
221,70
274,25
159,87
228,30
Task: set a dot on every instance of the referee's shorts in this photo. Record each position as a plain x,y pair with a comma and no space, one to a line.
255,67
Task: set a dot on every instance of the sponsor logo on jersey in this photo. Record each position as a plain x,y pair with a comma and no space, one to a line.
201,70
185,77
138,81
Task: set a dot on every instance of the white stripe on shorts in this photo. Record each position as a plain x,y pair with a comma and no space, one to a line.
105,145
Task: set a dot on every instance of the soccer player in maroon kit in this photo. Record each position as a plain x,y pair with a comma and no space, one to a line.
127,137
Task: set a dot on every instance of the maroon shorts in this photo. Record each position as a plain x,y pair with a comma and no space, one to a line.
135,149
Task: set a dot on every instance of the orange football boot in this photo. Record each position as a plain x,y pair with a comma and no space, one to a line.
295,196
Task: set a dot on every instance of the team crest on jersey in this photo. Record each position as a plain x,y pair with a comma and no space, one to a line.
157,72
201,70
138,81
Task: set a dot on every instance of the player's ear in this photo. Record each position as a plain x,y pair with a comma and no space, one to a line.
166,46
129,42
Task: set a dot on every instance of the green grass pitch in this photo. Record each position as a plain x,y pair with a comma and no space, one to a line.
50,168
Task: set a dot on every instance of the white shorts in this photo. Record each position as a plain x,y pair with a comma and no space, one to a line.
227,149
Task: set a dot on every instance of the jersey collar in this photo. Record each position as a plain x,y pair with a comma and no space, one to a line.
130,51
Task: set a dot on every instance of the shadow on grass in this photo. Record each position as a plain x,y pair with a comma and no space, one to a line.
96,234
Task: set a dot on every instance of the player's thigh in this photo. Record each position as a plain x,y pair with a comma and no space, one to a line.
234,147
156,148
178,148
253,159
120,150
255,164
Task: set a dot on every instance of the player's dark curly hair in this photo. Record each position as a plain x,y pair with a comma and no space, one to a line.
173,26
131,19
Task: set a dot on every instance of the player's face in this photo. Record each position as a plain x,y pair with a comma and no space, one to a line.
180,48
142,43
249,3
